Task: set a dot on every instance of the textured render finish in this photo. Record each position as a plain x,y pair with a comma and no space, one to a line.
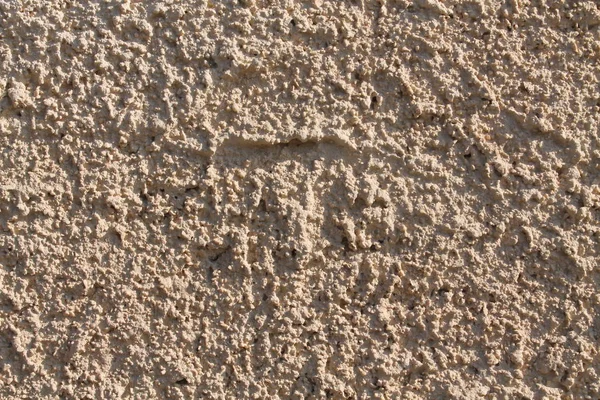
321,199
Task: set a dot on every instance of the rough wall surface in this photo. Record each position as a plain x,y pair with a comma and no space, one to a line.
300,199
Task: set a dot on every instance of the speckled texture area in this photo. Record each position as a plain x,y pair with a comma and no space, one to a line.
294,200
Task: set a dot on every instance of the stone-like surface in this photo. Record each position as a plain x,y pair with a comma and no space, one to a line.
320,199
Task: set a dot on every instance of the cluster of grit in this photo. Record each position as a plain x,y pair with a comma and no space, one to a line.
259,199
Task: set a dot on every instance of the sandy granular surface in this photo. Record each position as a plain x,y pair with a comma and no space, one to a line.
300,199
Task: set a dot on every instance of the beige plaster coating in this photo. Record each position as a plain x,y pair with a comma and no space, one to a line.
300,199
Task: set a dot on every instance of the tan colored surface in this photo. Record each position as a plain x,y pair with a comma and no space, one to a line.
321,199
